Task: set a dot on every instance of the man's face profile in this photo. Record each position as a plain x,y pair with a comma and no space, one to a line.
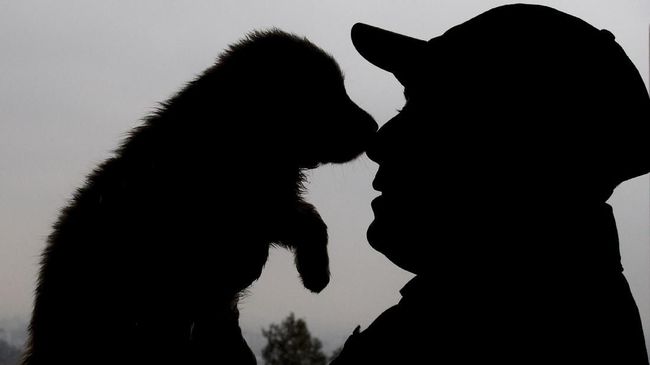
403,211
430,180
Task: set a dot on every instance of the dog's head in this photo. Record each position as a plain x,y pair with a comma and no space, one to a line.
286,101
301,107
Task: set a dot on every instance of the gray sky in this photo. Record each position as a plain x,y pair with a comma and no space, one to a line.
76,75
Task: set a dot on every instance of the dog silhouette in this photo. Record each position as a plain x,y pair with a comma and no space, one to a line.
146,263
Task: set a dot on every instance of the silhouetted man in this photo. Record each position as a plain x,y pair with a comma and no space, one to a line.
518,125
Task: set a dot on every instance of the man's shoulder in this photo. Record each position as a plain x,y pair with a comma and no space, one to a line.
400,333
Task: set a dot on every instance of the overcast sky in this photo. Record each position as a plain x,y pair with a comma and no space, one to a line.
76,75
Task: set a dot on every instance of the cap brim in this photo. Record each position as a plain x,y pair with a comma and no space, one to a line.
393,52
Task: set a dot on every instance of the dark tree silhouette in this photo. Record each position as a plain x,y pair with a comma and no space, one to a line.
290,343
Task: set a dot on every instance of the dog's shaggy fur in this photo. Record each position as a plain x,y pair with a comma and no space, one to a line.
146,262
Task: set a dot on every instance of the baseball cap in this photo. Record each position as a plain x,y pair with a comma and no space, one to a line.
542,60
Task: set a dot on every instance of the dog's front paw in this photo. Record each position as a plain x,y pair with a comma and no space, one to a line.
307,238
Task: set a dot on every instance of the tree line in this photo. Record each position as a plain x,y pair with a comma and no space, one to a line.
288,343
291,343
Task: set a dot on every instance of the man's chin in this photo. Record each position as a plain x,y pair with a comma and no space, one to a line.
384,242
376,238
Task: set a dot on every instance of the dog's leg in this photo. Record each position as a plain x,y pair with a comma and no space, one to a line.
306,235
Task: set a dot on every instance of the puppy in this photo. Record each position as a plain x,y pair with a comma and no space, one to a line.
146,262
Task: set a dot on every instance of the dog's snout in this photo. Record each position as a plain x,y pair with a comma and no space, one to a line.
362,120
